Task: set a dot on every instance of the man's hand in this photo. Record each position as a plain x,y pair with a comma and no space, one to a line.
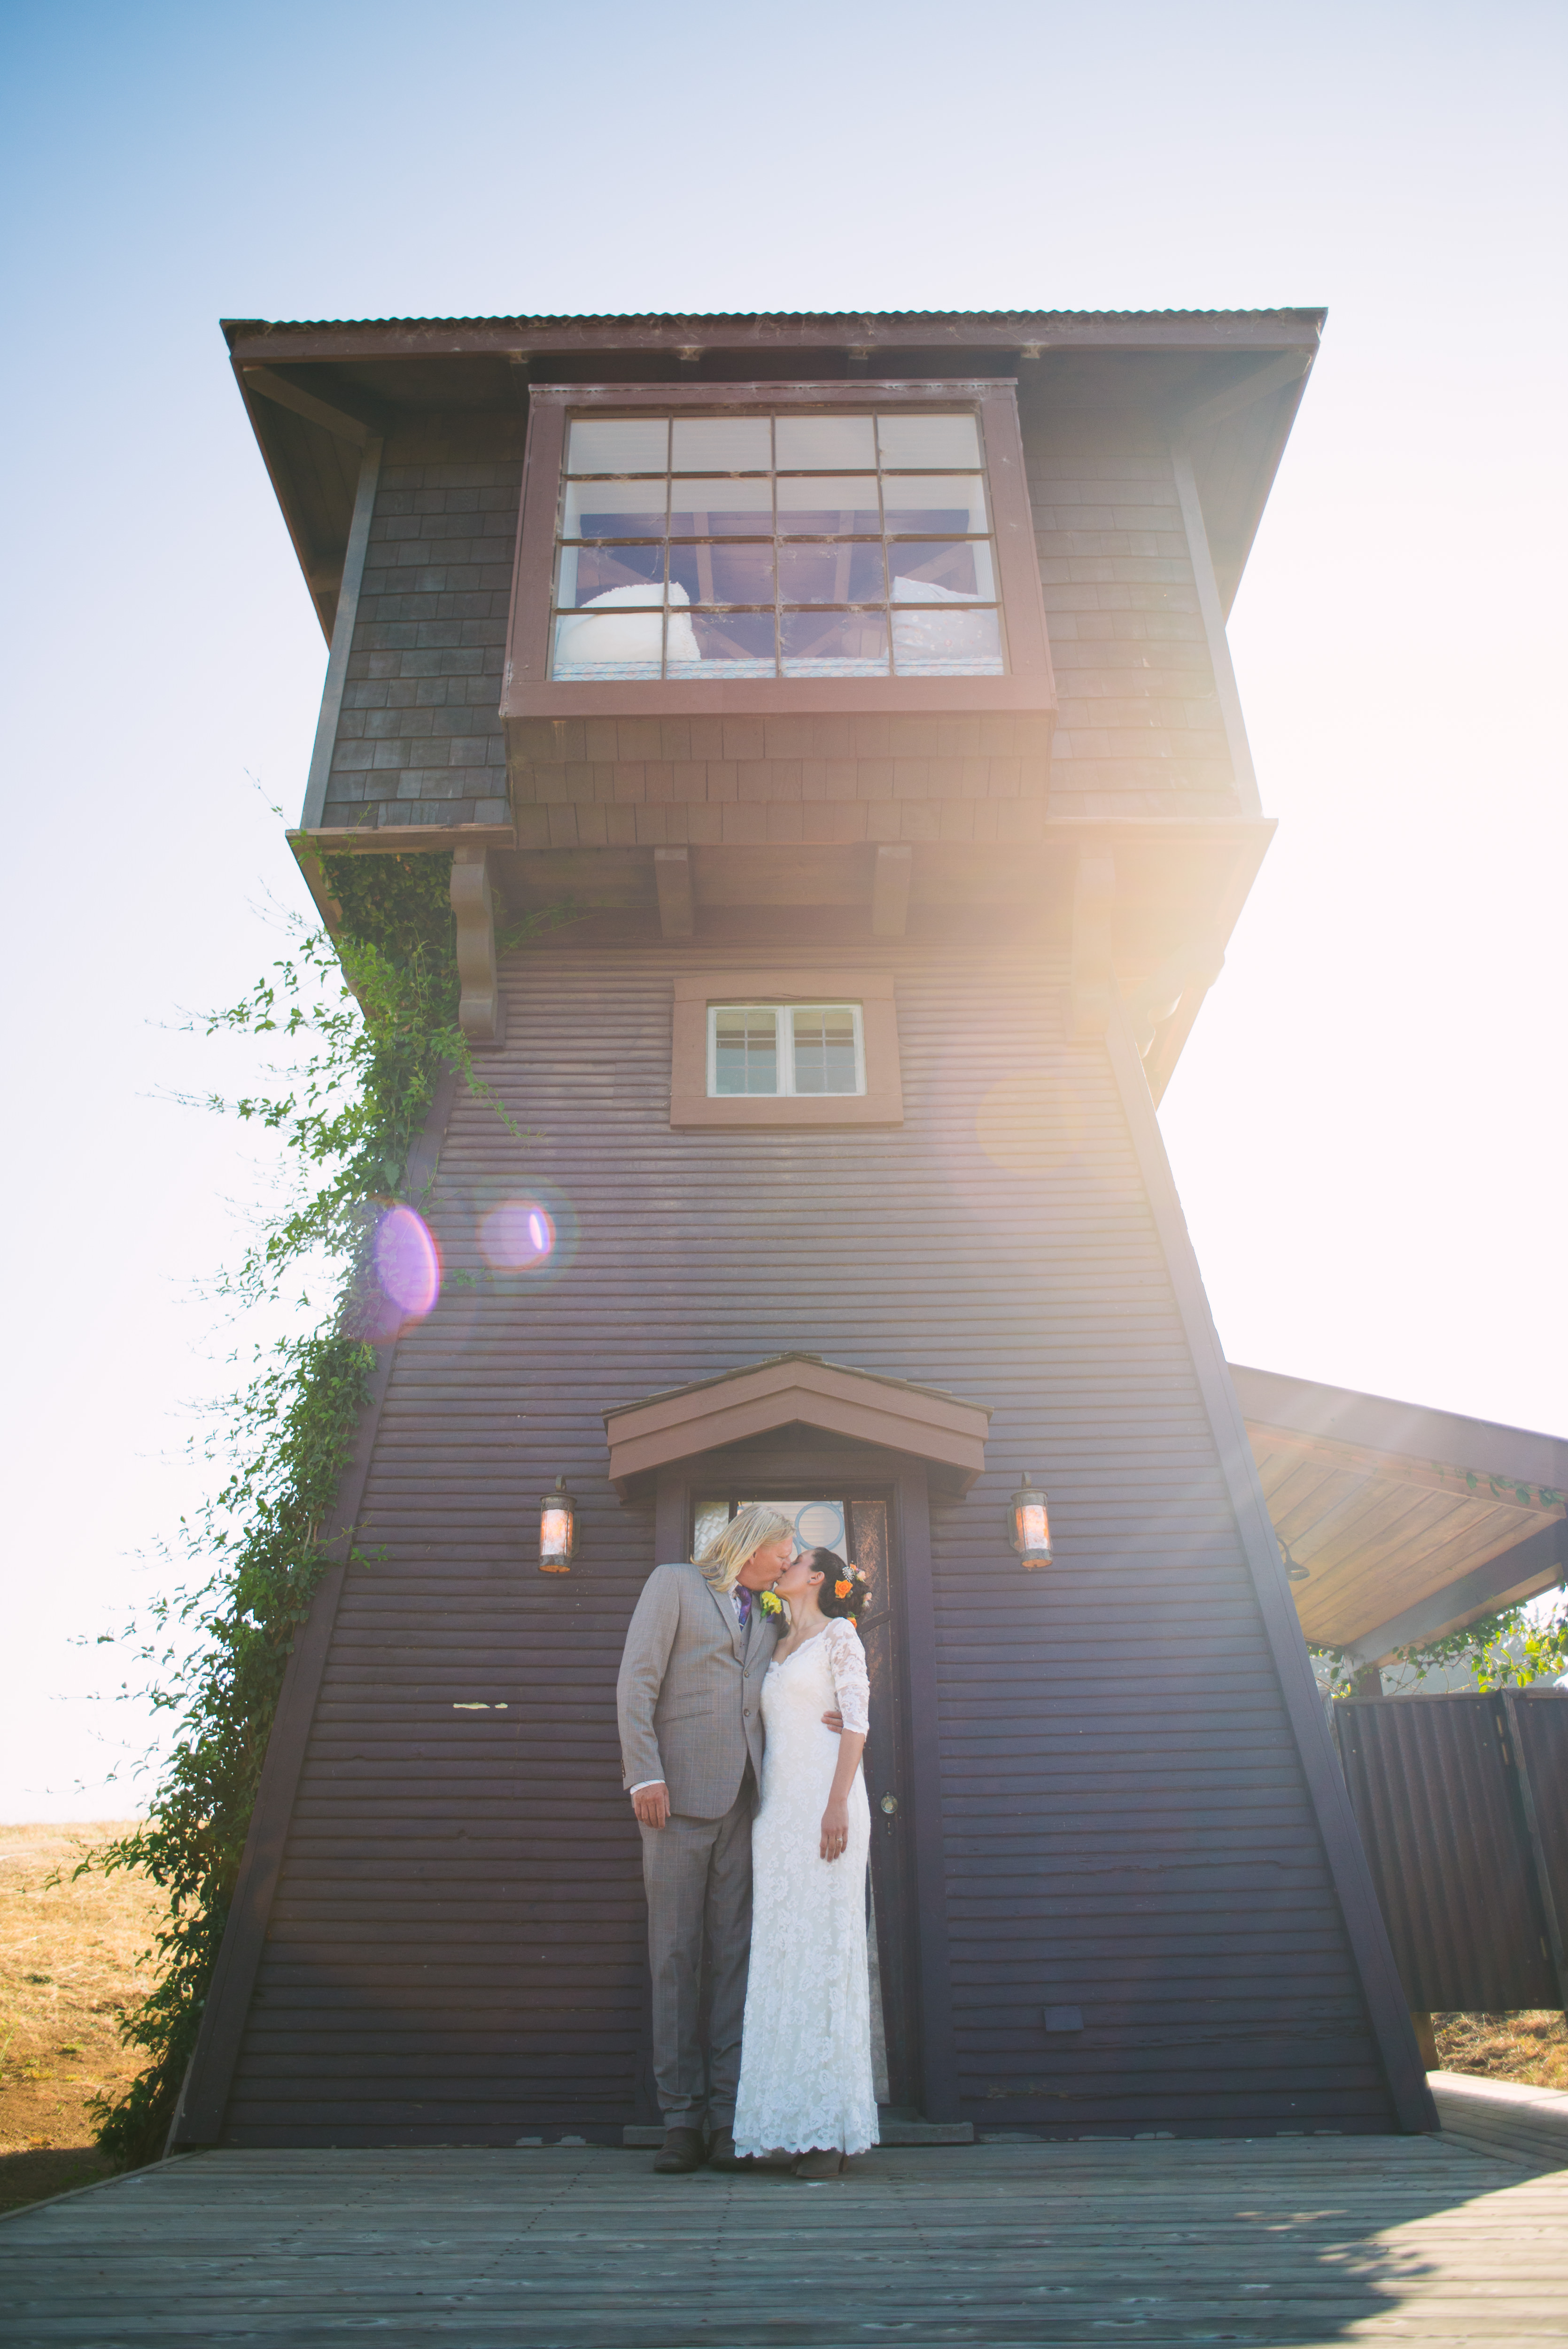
652,1805
835,1721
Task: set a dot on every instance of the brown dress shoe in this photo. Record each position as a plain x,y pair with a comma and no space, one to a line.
819,2162
681,2150
722,2156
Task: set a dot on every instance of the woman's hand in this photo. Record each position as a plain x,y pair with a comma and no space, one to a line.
835,1827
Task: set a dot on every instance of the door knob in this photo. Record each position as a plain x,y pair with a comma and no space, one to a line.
889,1804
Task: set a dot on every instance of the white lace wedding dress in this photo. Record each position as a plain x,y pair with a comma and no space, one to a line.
806,2050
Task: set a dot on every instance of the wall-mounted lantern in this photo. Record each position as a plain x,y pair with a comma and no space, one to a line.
557,1530
1029,1524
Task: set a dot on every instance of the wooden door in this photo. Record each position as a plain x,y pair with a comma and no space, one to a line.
859,1527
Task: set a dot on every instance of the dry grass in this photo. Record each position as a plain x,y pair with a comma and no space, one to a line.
67,1972
1532,2048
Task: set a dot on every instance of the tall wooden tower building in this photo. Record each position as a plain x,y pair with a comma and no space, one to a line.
862,682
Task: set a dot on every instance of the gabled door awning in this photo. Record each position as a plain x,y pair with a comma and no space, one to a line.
784,1390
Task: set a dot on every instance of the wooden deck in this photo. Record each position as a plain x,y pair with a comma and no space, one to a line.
1317,2240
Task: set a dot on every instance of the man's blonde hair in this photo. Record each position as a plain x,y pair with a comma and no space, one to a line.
742,1537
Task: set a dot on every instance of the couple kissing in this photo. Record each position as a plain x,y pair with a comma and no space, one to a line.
744,1702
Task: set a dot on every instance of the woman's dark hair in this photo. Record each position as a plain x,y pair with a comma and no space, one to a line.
852,1602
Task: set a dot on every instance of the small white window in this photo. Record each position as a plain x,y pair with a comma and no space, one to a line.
785,1049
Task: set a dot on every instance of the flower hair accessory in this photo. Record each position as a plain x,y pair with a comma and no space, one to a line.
841,1590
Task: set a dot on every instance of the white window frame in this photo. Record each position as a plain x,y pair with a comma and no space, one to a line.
784,1047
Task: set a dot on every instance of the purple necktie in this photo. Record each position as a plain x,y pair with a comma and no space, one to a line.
743,1606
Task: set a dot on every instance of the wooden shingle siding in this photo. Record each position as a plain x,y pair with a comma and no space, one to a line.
1139,728
419,741
456,1948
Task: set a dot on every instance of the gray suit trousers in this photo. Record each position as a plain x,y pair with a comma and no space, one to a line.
697,1877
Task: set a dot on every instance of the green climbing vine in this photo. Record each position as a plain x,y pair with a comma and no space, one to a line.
1511,1648
366,1022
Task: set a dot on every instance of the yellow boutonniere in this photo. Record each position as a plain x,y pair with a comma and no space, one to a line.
771,1602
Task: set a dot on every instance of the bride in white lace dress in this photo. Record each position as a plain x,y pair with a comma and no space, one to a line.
806,2084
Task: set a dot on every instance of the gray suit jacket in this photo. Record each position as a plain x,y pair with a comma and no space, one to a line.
689,1696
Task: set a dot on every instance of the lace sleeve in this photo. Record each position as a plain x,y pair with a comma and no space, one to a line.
850,1683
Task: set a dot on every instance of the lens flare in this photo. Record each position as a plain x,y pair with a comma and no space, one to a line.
407,1263
517,1236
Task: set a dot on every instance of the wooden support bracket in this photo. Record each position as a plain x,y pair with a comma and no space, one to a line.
1093,987
482,1011
889,889
328,413
1192,971
678,908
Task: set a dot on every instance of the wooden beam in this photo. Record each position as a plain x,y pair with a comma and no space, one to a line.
677,904
890,878
1364,1930
342,639
481,1010
1213,618
1392,1468
1529,1802
1256,385
1530,1566
310,405
1093,982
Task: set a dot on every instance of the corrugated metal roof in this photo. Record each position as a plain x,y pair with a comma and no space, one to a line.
795,317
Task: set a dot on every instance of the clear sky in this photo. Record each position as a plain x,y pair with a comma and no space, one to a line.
1367,1126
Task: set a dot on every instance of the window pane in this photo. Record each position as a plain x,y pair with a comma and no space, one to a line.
825,1050
619,644
828,508
929,439
724,574
586,572
745,1052
948,643
704,508
711,1518
833,442
834,643
961,565
618,444
727,643
614,510
727,444
849,572
933,506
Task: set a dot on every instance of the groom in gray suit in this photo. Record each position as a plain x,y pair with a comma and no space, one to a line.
690,1699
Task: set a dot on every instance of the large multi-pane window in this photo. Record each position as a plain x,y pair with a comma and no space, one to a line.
788,545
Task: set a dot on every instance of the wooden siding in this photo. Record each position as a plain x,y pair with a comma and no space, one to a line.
455,1951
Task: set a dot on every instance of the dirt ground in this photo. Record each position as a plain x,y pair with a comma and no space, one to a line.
67,1970
1532,2048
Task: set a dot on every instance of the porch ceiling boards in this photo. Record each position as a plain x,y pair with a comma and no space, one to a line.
1408,1523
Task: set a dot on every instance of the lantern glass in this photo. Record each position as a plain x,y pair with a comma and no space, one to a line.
557,1532
1029,1524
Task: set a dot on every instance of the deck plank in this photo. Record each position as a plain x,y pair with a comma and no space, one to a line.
1303,2242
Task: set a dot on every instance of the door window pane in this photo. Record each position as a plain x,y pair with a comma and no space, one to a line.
825,1049
746,1052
